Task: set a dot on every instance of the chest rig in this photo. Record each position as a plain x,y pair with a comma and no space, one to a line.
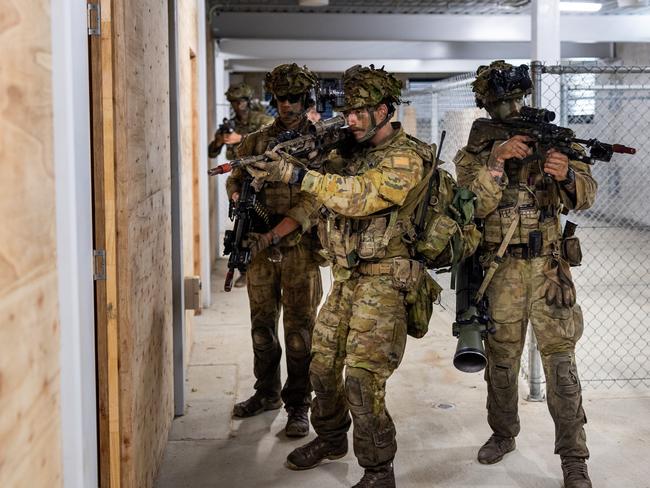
532,198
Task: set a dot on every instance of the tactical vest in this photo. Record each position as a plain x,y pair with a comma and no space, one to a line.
348,241
535,197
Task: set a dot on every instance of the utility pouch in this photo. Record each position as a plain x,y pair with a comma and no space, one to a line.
419,305
571,251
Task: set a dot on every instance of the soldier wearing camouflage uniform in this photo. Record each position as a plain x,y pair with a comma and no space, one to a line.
289,279
365,192
247,120
527,288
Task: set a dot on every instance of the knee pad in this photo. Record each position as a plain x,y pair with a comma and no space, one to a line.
263,338
359,385
298,344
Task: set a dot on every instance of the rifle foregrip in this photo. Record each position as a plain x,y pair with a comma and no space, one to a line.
620,148
221,169
227,286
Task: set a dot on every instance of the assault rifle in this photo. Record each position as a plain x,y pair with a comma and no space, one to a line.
323,136
249,215
536,123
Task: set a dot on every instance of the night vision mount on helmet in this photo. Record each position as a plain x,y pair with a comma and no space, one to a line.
501,81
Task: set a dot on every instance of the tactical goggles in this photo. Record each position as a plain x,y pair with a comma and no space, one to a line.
292,98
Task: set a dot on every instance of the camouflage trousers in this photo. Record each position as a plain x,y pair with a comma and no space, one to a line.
516,296
293,285
362,326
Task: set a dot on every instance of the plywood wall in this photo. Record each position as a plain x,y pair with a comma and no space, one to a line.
30,436
143,182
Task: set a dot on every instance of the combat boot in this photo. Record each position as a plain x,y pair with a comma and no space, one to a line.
495,448
381,476
575,472
298,422
255,405
311,454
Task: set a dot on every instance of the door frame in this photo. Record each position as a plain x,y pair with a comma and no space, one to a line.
100,56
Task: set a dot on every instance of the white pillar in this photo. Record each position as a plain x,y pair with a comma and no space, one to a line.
545,44
204,200
222,83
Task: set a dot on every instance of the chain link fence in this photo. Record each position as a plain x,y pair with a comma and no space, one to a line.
611,104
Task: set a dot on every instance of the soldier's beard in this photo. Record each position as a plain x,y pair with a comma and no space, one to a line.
289,117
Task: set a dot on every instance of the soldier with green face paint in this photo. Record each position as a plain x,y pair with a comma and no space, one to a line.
284,272
368,193
520,203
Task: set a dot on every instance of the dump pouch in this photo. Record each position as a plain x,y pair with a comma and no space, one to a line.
419,305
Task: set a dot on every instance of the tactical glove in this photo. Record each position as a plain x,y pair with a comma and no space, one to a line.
279,167
258,242
560,290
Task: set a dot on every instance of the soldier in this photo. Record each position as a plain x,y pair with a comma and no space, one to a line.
367,193
293,282
248,118
533,282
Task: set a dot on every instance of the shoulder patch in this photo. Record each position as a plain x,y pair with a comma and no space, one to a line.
401,162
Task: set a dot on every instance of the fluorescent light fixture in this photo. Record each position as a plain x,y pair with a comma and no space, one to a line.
587,7
313,3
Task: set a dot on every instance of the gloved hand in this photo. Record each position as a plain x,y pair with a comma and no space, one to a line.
560,290
279,167
258,242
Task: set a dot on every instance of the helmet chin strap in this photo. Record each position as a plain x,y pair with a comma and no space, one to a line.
374,127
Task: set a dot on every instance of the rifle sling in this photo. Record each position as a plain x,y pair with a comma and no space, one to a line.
498,257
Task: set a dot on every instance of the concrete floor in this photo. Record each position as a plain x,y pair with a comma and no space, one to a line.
439,414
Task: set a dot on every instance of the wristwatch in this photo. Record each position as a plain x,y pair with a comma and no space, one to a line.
275,239
570,178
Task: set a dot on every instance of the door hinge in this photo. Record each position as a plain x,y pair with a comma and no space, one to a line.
94,19
99,266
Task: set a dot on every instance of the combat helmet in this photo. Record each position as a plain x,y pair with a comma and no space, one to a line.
368,87
500,81
289,79
239,91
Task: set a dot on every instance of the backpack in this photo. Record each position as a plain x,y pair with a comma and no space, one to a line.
447,236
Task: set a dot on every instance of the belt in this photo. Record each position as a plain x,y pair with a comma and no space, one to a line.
382,268
522,251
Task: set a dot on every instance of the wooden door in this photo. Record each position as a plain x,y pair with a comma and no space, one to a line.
104,224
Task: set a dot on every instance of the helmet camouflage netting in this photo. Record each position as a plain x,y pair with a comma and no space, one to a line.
369,86
289,79
239,91
500,81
